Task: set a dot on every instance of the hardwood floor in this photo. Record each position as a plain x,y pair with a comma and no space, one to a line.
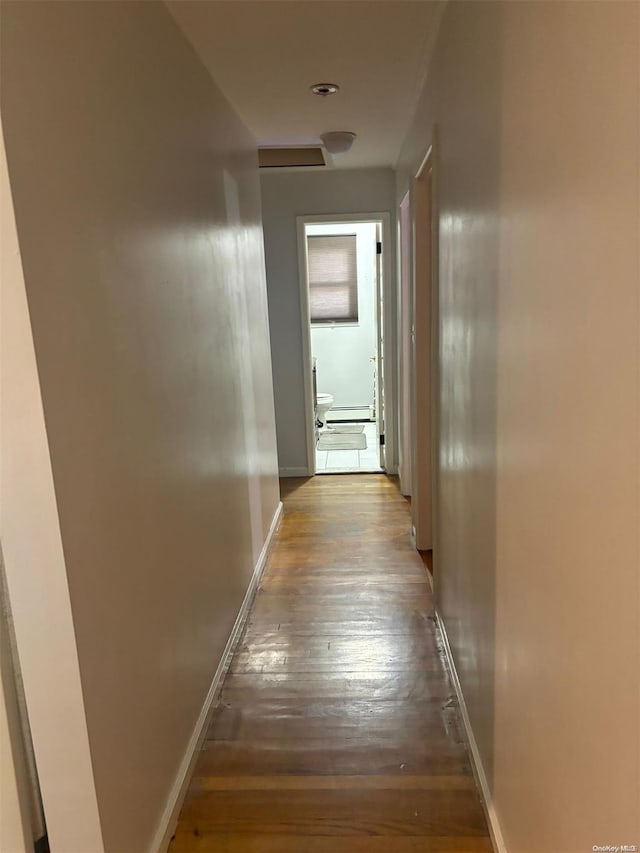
337,729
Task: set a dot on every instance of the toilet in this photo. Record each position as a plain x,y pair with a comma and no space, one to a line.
323,403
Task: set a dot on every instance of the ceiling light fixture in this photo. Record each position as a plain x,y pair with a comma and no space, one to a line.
338,141
324,89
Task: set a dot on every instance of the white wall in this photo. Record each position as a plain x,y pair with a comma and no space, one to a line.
343,351
537,110
138,216
285,196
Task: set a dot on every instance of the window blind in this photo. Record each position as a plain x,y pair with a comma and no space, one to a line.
333,278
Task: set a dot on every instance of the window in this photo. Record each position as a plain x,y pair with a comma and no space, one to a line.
333,279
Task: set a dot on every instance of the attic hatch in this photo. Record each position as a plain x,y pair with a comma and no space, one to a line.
284,158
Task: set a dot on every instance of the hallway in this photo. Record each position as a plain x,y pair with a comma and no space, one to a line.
337,729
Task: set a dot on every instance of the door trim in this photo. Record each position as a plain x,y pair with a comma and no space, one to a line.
388,330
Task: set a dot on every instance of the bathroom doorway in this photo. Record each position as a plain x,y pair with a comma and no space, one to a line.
342,277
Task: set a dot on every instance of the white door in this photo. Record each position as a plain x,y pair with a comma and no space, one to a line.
405,381
379,384
423,415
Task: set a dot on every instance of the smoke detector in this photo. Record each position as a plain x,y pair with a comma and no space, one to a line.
324,89
338,141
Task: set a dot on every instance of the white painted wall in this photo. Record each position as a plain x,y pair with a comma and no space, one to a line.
537,109
343,351
285,196
131,523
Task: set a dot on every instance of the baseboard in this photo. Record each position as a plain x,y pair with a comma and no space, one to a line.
476,761
178,792
293,472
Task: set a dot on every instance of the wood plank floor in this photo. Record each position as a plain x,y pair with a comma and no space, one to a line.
337,729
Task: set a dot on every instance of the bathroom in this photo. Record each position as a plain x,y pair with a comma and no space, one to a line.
342,268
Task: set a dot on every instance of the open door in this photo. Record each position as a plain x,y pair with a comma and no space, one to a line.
424,360
379,381
405,328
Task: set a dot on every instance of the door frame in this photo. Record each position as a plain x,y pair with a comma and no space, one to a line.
426,342
405,342
388,330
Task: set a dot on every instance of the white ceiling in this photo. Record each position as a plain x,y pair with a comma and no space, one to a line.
265,54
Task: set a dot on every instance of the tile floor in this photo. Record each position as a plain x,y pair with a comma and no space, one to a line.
340,461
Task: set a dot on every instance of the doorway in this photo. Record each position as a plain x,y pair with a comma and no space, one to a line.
342,295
